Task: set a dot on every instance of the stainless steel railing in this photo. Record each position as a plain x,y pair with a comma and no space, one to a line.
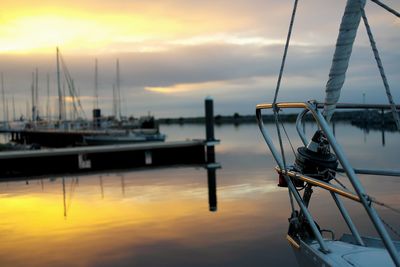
359,195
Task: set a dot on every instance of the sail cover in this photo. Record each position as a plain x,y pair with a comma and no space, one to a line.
344,45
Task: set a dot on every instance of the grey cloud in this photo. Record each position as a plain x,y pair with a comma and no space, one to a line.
198,64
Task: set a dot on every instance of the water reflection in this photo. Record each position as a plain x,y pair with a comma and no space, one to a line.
46,216
161,217
212,188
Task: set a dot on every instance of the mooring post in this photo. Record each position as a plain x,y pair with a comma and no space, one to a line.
209,110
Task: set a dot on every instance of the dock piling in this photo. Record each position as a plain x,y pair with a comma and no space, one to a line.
209,118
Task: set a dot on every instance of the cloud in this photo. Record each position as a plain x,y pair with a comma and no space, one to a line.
228,49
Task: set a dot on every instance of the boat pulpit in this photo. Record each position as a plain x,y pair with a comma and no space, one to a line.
316,164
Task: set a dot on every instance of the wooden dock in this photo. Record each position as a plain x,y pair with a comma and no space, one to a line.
97,158
69,160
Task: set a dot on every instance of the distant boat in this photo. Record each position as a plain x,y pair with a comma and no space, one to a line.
129,137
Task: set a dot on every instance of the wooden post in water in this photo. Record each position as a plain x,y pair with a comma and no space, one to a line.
209,114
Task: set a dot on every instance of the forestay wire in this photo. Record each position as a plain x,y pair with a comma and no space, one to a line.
278,84
275,109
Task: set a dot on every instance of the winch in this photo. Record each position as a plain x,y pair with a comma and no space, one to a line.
316,160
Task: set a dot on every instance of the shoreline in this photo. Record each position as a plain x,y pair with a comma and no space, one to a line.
366,119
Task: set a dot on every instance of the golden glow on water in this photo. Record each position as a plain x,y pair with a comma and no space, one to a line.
161,217
113,216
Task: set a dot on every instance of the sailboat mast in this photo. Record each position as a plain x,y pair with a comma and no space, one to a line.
96,86
114,102
37,94
13,106
48,98
60,95
64,108
7,112
3,97
118,91
27,110
33,97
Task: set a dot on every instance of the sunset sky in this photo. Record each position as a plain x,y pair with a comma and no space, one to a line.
174,53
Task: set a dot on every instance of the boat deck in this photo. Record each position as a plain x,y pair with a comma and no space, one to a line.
343,253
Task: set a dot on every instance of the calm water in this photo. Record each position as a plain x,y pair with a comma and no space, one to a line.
161,217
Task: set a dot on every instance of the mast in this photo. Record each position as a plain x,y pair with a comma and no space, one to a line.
3,97
118,91
27,110
63,103
37,94
33,97
60,95
13,106
7,116
114,102
48,98
340,62
96,86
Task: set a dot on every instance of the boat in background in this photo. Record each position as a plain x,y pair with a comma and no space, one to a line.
127,137
320,159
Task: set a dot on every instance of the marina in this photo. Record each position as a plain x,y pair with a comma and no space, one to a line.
184,133
113,151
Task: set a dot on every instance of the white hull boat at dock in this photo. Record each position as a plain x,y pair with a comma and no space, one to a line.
126,138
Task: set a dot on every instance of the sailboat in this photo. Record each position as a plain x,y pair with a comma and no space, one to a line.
127,137
320,159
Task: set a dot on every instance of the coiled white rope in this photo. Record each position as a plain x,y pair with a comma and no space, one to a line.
340,62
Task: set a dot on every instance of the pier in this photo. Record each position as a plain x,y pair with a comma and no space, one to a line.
69,160
96,158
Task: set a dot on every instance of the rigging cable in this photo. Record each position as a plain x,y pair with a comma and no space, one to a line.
279,82
391,10
391,228
381,70
275,110
373,200
384,205
285,52
287,136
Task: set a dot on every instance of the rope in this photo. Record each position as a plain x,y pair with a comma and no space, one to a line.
381,70
391,10
341,57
